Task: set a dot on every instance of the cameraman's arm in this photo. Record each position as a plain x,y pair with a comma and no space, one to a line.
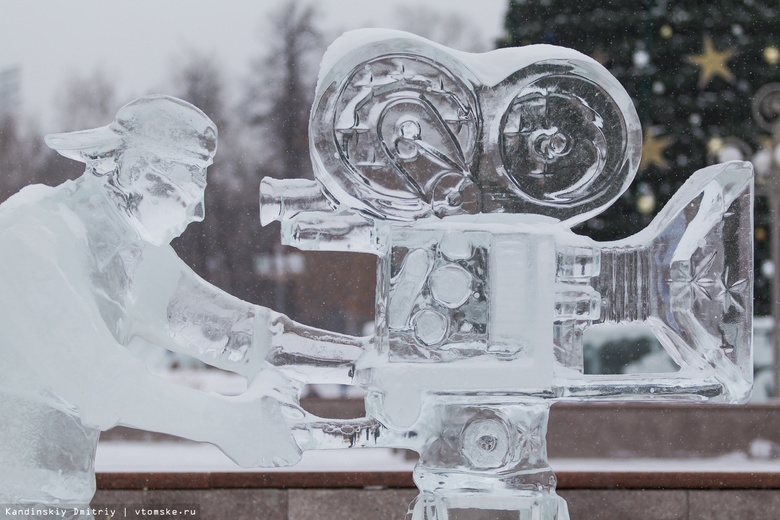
178,310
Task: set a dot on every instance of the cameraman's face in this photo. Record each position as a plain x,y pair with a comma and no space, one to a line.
166,194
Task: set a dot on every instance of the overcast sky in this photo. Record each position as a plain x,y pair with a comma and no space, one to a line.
137,42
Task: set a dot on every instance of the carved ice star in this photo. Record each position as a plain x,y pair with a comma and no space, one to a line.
701,281
730,291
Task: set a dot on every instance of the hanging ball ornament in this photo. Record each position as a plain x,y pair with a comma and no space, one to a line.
666,31
715,145
766,106
772,55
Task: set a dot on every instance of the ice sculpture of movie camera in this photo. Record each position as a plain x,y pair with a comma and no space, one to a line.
464,174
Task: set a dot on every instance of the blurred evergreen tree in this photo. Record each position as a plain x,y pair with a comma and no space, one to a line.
692,69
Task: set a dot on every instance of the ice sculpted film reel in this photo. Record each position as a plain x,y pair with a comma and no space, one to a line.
407,135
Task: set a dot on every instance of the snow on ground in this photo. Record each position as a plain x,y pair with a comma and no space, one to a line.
171,456
734,463
185,456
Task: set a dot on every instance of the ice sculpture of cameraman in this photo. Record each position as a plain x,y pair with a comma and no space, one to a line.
84,268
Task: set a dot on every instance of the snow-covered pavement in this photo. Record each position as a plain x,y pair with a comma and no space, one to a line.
183,456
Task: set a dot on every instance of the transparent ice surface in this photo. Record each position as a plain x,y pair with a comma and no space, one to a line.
402,129
464,173
85,268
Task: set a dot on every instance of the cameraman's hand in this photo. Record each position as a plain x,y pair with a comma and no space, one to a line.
259,434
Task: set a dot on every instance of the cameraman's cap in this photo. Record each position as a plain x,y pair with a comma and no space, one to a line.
164,125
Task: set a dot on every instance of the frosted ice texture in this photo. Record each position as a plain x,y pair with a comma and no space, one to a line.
85,268
463,174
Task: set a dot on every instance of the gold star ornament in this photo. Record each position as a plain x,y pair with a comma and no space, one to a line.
712,63
653,148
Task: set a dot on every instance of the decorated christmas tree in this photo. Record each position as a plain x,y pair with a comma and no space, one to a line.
692,69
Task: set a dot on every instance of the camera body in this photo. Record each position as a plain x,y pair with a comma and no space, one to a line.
464,174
